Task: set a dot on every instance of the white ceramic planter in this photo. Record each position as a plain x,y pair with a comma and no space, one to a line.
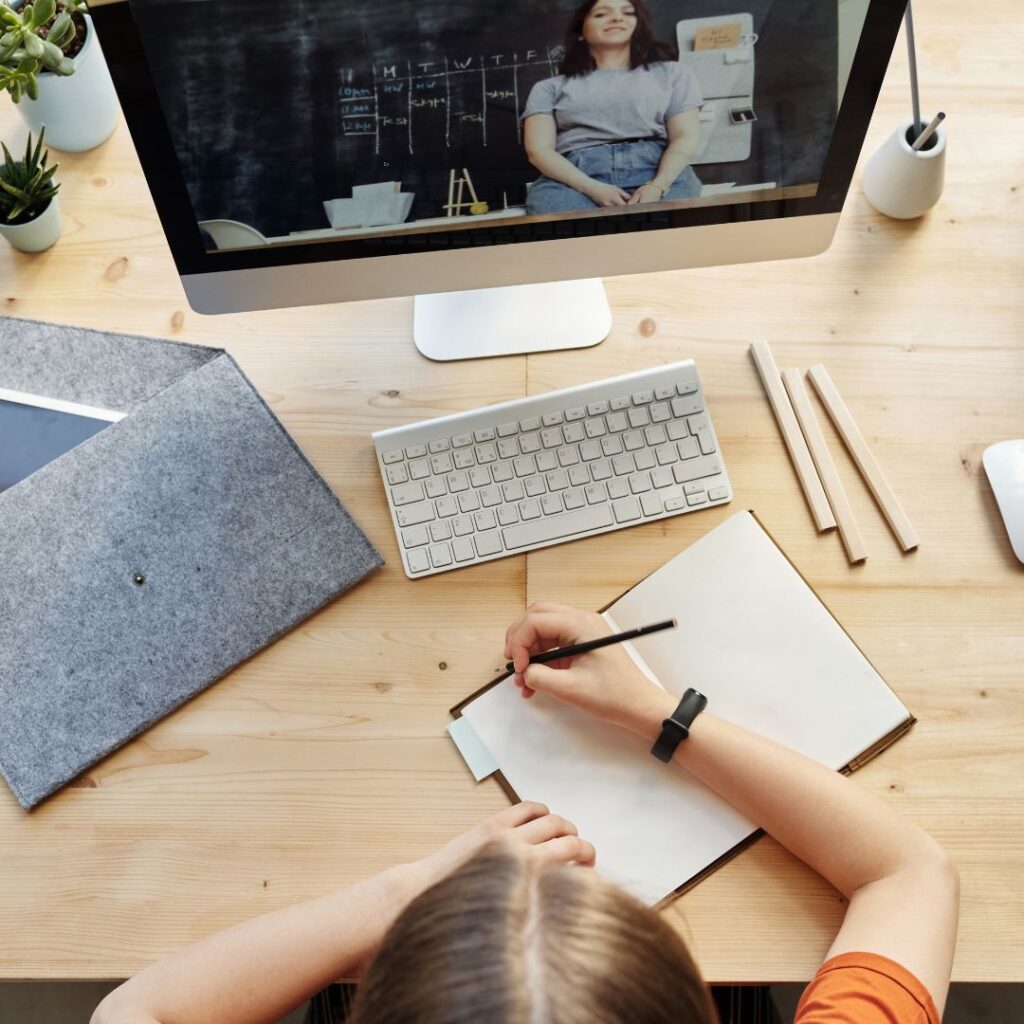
902,182
38,234
80,110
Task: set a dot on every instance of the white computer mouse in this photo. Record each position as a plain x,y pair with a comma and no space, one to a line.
1004,464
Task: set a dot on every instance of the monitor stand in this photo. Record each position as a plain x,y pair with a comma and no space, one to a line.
511,320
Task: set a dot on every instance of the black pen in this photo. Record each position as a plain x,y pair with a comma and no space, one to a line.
592,645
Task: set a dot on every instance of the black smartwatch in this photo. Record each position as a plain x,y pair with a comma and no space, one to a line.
676,728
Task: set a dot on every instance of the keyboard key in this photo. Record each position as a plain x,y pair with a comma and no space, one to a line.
551,504
397,474
488,543
639,417
419,470
668,391
529,443
643,397
611,445
535,485
479,477
406,494
645,459
551,438
583,520
590,450
687,388
441,555
655,435
442,463
574,414
595,428
558,480
395,455
697,423
718,493
633,440
416,451
601,470
458,482
508,514
462,548
660,413
662,477
574,498
468,501
686,406
446,506
413,515
696,487
551,419
674,504
618,488
464,458
524,465
707,442
617,404
595,493
507,429
666,454
579,476
484,434
489,497
440,530
573,433
419,560
597,408
529,509
694,469
415,537
485,519
616,422
533,423
650,504
568,457
546,461
442,444
512,491
463,526
640,482
676,429
626,510
501,471
697,499
508,447
688,448
486,453
623,465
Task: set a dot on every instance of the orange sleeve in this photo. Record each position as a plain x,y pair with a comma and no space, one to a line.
864,988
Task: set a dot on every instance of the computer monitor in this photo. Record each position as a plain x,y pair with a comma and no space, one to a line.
312,151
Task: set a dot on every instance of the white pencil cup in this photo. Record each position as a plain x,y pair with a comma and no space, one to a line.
903,182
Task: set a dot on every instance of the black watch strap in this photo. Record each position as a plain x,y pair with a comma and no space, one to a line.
676,728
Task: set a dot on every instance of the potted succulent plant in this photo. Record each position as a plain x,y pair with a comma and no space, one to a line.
29,210
43,44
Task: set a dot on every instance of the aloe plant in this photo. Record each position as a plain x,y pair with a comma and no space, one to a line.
33,38
26,186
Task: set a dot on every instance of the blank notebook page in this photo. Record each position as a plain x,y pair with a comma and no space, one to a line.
759,643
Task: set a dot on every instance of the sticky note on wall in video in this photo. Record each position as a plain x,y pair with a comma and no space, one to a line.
717,37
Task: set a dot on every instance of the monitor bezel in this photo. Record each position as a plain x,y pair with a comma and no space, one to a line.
125,55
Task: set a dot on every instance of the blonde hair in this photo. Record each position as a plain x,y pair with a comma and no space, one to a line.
505,940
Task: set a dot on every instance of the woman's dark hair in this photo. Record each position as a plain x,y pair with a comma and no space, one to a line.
643,47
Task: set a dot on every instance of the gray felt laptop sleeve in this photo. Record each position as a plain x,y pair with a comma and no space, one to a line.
144,564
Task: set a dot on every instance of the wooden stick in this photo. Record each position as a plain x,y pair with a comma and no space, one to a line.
458,195
848,531
869,468
795,443
469,182
451,190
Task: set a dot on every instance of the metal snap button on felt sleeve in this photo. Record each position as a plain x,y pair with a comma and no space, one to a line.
138,579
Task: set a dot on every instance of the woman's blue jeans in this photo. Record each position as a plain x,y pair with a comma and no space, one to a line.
625,164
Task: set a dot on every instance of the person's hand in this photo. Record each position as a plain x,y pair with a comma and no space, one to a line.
607,195
649,193
528,827
606,682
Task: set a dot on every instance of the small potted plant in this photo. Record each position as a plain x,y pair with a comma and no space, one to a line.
43,44
29,210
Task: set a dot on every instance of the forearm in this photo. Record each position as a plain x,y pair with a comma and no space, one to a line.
848,836
556,167
256,972
677,157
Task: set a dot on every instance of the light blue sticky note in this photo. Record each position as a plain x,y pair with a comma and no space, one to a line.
477,757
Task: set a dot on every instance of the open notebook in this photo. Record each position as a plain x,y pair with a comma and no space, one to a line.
752,636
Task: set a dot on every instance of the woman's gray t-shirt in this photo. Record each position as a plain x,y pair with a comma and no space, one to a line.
610,105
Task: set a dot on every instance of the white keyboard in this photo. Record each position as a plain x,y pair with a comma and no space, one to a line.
538,471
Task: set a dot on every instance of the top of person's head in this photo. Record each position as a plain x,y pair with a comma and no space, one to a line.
507,940
644,49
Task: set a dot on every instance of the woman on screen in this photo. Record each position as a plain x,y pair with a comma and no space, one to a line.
620,124
510,923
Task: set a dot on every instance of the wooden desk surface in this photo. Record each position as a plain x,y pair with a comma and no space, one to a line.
324,758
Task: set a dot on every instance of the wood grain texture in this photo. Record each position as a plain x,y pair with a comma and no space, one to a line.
323,759
849,532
